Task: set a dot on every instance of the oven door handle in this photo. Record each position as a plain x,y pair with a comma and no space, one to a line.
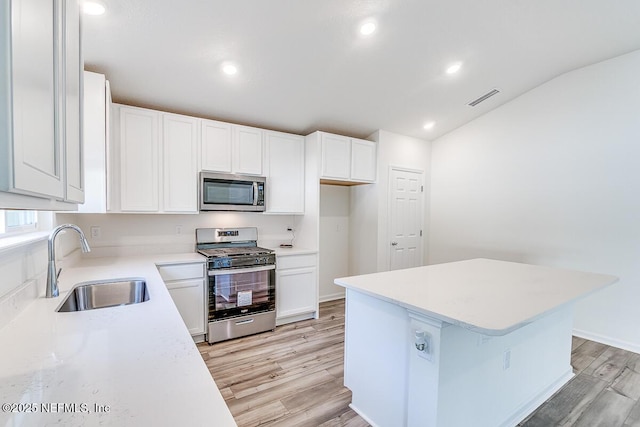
227,271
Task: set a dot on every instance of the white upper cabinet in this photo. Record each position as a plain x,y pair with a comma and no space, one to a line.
284,168
229,148
40,98
97,104
216,146
363,160
139,160
157,169
347,160
336,156
180,166
155,161
74,170
37,161
247,150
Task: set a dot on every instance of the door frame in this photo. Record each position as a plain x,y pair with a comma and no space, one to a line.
387,244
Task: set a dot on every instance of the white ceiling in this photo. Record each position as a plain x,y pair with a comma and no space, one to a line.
304,67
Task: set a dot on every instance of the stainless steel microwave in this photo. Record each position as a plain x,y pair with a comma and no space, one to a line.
227,192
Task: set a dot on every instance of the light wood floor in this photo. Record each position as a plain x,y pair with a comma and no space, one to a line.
294,376
290,377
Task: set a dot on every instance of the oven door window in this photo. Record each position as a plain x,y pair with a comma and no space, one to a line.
223,192
239,293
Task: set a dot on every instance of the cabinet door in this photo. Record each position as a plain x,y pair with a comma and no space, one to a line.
180,167
37,149
363,160
94,132
216,146
74,171
139,166
336,156
188,296
285,173
247,150
296,292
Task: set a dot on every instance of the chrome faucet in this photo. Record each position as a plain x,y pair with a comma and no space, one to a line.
52,274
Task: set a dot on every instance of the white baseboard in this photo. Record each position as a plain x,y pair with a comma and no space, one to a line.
522,412
538,400
331,297
295,318
363,416
603,339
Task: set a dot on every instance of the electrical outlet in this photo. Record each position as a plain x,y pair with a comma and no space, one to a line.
178,229
506,360
424,345
95,232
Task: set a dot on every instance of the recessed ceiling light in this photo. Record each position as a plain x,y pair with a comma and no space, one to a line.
229,68
454,68
429,125
92,8
367,28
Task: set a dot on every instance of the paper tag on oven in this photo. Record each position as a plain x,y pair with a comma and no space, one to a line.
244,298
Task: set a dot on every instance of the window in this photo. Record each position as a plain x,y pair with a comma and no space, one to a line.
14,222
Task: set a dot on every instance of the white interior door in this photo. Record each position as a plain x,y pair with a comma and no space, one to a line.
406,219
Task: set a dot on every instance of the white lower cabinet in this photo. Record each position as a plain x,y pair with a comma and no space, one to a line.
296,288
186,285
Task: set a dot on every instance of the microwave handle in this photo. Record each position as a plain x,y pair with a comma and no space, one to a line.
255,193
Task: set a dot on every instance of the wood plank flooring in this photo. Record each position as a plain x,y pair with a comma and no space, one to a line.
290,377
605,391
293,377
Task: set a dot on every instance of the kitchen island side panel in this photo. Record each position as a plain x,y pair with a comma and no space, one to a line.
498,380
375,363
468,379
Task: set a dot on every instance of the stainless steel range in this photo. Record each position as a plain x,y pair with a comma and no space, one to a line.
241,282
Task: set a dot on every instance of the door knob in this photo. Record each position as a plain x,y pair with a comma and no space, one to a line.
394,243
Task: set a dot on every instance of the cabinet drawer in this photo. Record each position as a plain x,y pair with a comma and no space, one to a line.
296,261
181,271
189,283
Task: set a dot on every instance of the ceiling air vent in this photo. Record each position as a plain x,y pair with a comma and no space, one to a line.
484,97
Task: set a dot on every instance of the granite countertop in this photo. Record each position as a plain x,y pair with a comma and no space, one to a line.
487,296
123,366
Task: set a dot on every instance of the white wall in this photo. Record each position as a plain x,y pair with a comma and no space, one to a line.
370,203
136,234
334,239
552,178
23,270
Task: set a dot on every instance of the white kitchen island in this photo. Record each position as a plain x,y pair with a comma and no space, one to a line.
498,341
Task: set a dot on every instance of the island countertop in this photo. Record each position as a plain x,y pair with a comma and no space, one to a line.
487,296
124,366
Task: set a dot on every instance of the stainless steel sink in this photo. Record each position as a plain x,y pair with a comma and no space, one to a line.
105,293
